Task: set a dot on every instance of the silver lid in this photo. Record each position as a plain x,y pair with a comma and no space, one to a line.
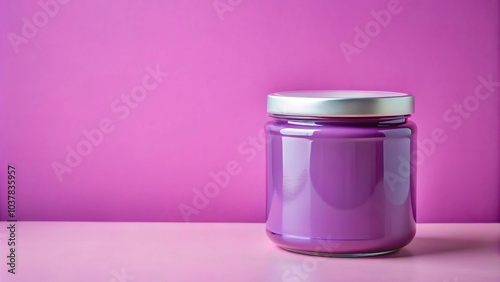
339,103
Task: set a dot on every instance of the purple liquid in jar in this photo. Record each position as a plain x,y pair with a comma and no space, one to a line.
339,173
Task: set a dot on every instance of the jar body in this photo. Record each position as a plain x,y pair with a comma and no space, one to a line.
341,186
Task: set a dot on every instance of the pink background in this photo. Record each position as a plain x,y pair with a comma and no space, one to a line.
208,111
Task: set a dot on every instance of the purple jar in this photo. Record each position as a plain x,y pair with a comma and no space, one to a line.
340,179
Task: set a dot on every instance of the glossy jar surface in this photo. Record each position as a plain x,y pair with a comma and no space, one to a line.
341,186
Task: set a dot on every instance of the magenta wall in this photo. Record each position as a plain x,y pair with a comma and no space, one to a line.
72,67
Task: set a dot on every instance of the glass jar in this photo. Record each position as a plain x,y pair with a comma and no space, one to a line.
340,179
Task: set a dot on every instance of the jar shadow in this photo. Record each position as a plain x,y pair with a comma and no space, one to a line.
429,246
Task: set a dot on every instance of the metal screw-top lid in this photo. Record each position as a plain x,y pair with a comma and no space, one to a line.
339,103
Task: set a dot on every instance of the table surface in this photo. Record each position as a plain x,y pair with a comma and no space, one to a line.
120,252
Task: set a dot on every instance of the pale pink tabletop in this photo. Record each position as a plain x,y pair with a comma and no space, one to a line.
119,252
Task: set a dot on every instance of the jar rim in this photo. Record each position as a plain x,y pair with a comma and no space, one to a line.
339,103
